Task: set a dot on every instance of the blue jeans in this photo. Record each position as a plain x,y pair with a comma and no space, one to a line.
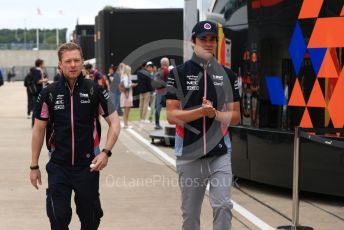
158,107
116,98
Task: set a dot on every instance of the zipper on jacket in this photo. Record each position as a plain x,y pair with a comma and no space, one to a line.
72,123
204,117
72,119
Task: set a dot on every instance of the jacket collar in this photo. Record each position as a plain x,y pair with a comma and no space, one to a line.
202,62
64,81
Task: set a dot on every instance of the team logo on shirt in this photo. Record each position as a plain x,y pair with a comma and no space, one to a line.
84,99
192,82
59,103
218,80
83,95
218,77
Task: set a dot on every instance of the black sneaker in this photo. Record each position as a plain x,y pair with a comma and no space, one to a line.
157,127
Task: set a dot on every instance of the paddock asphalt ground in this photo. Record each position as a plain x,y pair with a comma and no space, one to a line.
139,187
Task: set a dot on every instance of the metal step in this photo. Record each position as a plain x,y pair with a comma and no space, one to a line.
165,135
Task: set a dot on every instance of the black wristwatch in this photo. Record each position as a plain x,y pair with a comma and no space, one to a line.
108,152
35,167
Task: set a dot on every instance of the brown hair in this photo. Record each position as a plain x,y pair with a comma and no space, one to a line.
39,62
68,47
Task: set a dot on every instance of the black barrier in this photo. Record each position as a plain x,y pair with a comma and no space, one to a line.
323,130
322,140
305,133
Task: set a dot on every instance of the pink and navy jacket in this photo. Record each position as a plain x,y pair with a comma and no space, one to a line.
189,83
73,112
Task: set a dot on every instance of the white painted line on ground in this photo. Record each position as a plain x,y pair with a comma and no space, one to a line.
244,212
161,154
251,217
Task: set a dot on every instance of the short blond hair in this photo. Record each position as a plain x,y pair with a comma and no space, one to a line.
68,47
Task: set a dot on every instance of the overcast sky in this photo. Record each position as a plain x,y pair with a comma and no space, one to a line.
49,14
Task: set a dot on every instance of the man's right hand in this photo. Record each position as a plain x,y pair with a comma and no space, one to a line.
35,175
208,109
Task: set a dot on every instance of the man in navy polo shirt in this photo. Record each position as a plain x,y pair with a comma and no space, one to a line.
72,105
203,100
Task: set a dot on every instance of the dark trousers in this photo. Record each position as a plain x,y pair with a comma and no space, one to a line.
29,102
34,105
62,180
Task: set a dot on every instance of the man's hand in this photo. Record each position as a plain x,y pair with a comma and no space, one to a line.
35,175
100,162
208,109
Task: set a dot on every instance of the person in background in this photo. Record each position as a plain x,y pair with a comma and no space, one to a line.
95,77
88,68
144,88
11,74
161,92
1,78
127,94
27,82
152,100
115,93
101,79
40,79
58,75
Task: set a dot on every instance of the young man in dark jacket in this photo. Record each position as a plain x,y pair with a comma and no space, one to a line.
30,90
203,100
40,81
